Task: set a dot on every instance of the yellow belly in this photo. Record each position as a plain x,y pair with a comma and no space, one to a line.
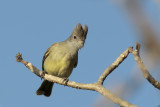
58,65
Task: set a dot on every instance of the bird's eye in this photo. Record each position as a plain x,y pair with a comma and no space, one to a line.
74,37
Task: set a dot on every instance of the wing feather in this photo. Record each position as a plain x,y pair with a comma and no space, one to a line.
76,62
46,55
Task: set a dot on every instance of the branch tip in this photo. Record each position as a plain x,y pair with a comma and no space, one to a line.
130,49
137,46
19,57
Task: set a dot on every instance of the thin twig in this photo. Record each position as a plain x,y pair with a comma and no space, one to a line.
114,65
144,70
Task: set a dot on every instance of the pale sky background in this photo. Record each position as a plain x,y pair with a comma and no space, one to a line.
31,26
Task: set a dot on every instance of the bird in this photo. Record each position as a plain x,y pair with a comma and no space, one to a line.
62,57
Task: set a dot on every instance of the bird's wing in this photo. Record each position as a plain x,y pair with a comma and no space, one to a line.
76,62
46,55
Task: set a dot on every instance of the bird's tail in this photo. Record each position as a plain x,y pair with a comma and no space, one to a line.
45,88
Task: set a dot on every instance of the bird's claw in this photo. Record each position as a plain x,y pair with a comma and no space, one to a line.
66,81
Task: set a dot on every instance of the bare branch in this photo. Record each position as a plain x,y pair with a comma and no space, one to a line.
98,86
94,87
106,93
114,65
144,70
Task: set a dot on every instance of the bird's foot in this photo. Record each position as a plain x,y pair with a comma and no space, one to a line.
66,81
